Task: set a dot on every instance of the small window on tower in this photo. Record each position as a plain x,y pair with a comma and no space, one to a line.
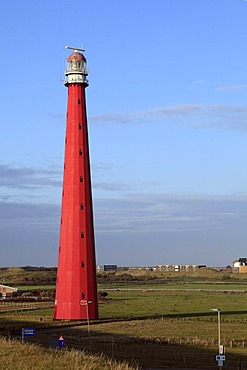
80,151
82,264
82,235
82,206
79,101
82,295
81,179
80,126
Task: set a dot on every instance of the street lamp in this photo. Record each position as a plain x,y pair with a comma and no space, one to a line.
218,310
88,326
221,356
84,302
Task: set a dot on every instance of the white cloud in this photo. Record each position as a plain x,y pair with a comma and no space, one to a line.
196,116
110,186
164,213
28,177
136,229
28,215
231,88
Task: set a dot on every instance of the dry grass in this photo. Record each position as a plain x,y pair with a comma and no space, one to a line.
179,328
17,356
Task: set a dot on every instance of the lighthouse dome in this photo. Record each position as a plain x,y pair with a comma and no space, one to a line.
76,56
76,69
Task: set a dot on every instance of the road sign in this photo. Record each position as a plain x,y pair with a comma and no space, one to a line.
221,350
220,358
84,302
28,332
61,342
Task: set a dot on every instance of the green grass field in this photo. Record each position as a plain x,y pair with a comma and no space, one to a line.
187,306
133,303
178,313
35,287
177,285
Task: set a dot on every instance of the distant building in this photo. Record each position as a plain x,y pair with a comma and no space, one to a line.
7,291
240,265
143,268
228,268
178,268
101,268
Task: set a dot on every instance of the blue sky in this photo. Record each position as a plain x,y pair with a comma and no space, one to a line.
167,119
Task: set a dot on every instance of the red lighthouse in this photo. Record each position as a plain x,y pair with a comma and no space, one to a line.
76,288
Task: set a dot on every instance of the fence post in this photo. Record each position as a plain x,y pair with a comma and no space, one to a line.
239,365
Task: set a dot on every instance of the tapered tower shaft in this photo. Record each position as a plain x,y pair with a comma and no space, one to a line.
76,288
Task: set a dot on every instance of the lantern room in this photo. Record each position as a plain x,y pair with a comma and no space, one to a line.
76,69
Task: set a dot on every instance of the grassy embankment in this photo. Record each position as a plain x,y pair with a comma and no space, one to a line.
28,276
17,356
